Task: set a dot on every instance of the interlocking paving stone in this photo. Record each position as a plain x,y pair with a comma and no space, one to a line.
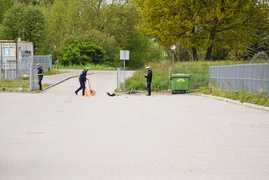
58,135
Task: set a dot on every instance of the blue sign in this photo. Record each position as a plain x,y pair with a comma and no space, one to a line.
6,52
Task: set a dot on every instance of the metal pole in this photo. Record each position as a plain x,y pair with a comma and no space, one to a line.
124,76
0,69
57,64
50,62
178,54
169,77
119,78
267,93
6,69
21,79
30,73
173,58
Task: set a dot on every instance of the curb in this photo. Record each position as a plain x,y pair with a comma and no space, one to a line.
65,79
264,108
58,83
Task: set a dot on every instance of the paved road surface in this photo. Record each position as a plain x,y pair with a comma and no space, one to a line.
56,135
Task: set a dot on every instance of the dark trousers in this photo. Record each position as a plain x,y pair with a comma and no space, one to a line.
149,87
82,86
40,77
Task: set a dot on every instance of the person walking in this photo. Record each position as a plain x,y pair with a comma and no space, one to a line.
149,80
40,75
82,80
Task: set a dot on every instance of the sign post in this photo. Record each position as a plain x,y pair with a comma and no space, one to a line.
124,55
173,48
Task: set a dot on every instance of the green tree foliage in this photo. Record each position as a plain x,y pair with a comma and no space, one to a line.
262,46
27,23
111,26
81,53
34,2
170,21
143,51
235,24
5,5
27,2
66,18
203,24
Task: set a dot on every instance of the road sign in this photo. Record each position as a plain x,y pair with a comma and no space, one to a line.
124,54
173,47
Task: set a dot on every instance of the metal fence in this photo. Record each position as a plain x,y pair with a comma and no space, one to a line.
45,61
25,67
253,78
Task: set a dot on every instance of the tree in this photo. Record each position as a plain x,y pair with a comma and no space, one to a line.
261,46
143,50
66,18
110,26
234,23
170,21
27,23
27,2
4,6
202,24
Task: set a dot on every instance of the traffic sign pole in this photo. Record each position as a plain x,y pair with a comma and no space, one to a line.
124,75
173,48
124,55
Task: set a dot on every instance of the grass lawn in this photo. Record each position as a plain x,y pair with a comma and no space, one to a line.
199,73
23,82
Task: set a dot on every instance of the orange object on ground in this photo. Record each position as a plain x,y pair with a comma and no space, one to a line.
86,93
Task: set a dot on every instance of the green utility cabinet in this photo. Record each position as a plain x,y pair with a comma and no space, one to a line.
180,82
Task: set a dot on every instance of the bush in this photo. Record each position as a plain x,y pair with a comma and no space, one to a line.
81,53
260,56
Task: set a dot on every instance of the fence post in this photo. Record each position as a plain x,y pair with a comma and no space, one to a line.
50,62
0,68
6,69
169,79
118,78
30,75
267,79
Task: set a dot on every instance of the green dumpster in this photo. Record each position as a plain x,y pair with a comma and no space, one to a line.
180,82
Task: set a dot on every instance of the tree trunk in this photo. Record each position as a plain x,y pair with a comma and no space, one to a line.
194,54
208,53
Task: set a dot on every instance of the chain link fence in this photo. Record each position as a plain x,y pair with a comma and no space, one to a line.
253,78
25,68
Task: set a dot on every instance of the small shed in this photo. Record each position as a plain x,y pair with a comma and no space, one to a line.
12,53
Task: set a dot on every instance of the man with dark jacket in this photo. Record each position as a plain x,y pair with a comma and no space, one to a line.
82,80
40,75
149,80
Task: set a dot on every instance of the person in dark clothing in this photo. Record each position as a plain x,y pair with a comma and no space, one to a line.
149,80
40,75
82,80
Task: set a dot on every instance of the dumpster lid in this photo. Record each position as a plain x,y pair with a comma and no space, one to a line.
180,75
